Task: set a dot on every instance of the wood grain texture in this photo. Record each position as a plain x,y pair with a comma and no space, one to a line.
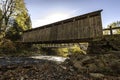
82,27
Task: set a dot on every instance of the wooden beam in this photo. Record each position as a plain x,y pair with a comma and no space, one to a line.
112,28
111,33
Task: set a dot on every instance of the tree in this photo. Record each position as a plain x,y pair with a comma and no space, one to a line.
14,32
0,14
0,24
0,18
7,7
23,21
115,24
22,18
14,14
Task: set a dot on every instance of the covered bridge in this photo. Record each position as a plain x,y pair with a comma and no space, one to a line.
80,28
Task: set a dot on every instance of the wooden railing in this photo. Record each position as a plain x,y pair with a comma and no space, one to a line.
110,29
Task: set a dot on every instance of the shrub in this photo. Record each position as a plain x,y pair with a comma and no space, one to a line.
62,52
7,46
76,49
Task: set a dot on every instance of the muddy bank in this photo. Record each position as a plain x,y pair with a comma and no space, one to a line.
98,65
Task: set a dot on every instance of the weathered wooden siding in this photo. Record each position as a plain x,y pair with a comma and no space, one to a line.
87,26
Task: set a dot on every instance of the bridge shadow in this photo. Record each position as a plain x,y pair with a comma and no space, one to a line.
49,51
93,47
65,49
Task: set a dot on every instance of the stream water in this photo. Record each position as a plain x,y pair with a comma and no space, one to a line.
29,60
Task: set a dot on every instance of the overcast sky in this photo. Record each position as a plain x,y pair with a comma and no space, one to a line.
43,12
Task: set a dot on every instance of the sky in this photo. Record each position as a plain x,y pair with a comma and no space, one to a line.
43,12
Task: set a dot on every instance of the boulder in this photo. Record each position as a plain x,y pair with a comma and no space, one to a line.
96,75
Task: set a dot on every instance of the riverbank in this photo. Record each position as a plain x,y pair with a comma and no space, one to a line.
77,67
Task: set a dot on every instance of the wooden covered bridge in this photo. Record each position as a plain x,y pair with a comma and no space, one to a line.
81,28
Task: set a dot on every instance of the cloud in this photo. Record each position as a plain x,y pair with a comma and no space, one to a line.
51,18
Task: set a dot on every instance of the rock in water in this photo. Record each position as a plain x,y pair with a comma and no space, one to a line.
96,75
